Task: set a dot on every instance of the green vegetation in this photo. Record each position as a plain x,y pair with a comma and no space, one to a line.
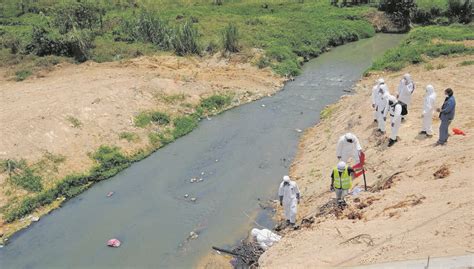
107,30
230,38
184,125
213,103
144,118
22,75
466,63
430,41
130,137
75,122
442,12
28,180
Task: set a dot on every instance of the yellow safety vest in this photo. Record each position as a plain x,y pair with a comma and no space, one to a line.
342,182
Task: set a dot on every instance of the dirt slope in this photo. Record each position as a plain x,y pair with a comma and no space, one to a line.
36,114
413,214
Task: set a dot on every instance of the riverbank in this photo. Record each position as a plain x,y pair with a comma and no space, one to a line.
76,109
409,213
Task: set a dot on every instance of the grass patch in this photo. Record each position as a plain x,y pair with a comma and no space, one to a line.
429,67
213,104
75,122
22,75
466,63
28,180
431,41
184,125
142,119
129,136
174,98
440,66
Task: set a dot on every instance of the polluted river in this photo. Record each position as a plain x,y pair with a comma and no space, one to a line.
240,155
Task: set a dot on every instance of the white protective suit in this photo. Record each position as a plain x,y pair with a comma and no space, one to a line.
265,238
290,192
382,106
405,89
395,116
345,149
375,95
428,109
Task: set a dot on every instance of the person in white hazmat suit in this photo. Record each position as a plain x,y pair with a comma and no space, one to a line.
382,107
375,96
348,146
429,104
265,238
395,111
405,91
289,195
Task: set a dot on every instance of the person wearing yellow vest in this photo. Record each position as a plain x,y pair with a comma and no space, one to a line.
341,181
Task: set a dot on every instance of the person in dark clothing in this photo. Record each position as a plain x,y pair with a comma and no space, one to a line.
446,114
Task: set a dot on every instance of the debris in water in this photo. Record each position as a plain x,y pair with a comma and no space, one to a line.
200,179
192,180
208,118
298,130
114,243
217,160
202,173
110,193
263,105
193,235
193,199
34,218
186,195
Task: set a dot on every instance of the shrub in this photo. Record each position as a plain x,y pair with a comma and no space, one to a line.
75,122
429,67
28,180
184,125
130,137
72,15
399,11
109,157
460,11
263,62
142,119
22,75
230,38
159,117
185,39
214,103
149,28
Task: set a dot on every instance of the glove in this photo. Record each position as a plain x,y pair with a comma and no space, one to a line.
281,203
393,124
331,188
298,201
384,118
373,106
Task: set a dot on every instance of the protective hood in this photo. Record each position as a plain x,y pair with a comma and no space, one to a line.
380,81
349,136
254,232
407,78
430,90
384,88
286,179
392,99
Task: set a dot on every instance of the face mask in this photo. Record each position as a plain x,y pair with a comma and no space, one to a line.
286,183
349,140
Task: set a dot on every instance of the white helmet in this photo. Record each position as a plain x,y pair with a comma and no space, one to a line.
341,166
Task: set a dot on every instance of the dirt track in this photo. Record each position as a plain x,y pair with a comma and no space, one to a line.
415,214
104,98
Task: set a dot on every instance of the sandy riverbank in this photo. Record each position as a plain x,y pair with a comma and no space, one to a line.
39,115
412,215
